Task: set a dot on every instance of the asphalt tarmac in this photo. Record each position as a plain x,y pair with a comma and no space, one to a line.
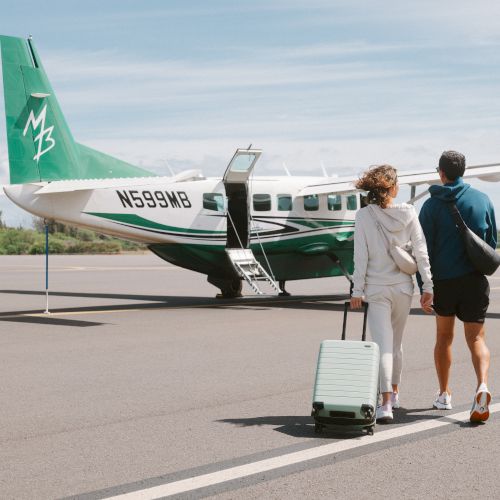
141,383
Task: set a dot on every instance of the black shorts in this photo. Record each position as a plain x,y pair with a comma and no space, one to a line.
466,297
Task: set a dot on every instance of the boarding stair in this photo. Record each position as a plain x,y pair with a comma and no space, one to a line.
250,269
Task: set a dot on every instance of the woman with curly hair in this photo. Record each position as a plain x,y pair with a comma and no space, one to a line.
379,280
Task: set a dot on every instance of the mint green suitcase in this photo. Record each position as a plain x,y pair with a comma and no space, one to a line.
347,379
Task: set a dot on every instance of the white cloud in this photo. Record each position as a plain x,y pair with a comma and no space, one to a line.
384,82
278,97
426,19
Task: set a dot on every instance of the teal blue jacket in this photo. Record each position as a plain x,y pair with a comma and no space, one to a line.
444,244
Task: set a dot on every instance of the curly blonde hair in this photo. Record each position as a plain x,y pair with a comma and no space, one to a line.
378,181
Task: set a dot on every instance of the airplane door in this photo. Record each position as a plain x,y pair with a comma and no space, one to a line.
238,205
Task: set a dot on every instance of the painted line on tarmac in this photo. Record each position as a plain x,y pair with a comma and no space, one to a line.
242,471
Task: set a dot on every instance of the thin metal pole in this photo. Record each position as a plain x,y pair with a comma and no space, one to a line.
47,268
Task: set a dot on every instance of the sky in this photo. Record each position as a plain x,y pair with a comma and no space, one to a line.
347,84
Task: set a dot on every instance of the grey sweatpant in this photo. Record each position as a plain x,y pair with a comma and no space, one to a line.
389,306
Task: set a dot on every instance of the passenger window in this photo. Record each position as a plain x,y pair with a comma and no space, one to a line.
262,202
334,202
284,202
311,202
352,202
213,201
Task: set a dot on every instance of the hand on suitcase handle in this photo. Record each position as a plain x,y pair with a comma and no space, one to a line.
365,313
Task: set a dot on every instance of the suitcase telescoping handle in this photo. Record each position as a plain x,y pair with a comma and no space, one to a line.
365,312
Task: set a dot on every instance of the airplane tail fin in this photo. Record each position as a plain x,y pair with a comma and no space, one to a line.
41,146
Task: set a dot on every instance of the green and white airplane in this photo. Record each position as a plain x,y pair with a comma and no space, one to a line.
238,227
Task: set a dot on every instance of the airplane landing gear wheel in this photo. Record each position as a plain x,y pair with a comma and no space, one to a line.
231,289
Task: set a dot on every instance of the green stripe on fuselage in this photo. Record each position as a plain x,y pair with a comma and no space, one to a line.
141,222
315,223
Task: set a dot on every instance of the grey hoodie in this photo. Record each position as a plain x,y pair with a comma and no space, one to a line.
372,262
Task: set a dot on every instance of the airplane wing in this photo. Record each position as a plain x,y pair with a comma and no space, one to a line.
86,184
488,172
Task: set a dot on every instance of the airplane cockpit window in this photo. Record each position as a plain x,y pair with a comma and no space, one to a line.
352,202
284,202
311,202
262,202
334,202
213,201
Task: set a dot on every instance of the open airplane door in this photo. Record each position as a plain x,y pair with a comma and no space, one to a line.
238,205
238,249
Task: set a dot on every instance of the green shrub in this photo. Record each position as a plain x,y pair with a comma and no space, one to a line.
62,239
15,241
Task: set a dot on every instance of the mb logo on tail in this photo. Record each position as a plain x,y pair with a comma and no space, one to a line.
45,134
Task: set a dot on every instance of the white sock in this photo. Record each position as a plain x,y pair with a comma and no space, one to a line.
482,387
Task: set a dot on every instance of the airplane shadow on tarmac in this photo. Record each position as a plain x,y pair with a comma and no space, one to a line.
144,302
49,320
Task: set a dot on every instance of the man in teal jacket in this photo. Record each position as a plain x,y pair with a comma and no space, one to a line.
459,290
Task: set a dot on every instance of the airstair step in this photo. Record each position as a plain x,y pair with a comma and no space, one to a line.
250,269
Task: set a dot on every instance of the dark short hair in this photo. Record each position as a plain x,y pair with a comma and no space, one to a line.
452,163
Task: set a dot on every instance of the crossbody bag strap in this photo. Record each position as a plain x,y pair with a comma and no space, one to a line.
379,227
457,217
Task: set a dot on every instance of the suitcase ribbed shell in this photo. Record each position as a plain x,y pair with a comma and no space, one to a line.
346,377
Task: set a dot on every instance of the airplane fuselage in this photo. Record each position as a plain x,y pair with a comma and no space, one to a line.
185,222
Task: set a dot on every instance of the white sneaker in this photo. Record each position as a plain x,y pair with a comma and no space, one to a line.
443,401
384,413
395,400
480,411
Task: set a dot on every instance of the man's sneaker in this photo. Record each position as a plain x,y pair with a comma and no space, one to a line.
384,413
480,410
443,401
395,400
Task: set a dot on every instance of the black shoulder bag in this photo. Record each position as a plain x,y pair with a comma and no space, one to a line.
481,255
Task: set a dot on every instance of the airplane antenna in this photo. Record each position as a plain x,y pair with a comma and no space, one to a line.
286,169
250,147
172,172
324,169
